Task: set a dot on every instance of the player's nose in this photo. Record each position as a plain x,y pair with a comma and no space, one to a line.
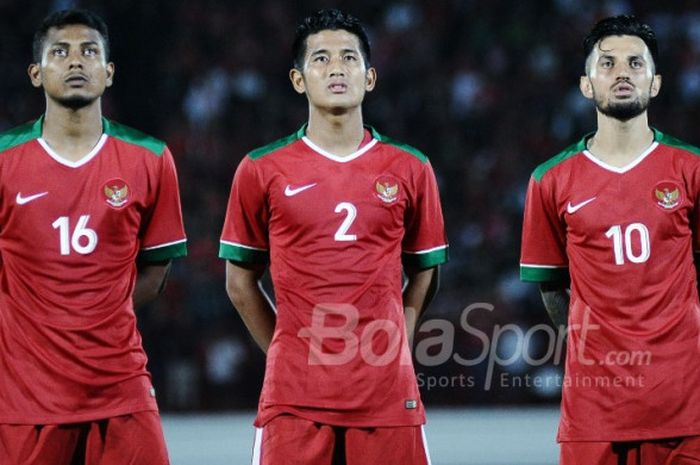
335,67
75,59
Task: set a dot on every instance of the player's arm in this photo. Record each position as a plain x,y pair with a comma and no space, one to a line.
247,295
151,279
556,297
421,287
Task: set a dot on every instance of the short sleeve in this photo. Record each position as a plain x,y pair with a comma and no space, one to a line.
424,244
163,234
543,250
245,234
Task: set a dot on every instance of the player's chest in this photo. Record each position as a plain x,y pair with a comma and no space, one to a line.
344,201
105,197
647,204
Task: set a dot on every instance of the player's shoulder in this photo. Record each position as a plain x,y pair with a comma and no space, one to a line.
400,147
133,136
277,145
20,135
561,157
672,142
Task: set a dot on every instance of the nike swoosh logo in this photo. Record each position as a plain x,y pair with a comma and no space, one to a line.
22,200
289,192
571,209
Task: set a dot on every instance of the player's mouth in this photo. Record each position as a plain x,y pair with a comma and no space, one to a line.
337,87
623,90
76,80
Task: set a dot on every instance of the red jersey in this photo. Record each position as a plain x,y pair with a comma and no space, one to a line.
336,230
626,237
70,234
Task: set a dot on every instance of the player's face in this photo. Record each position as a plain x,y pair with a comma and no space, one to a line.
73,70
334,75
620,77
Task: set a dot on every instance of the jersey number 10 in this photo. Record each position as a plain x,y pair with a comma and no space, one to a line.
622,245
83,240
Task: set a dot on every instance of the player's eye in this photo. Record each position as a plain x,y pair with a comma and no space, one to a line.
90,51
58,52
350,57
636,64
320,59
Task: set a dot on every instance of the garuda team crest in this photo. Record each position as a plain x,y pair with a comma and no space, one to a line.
387,189
116,192
667,195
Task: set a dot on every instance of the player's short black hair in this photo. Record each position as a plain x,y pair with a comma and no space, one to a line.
328,19
623,25
60,19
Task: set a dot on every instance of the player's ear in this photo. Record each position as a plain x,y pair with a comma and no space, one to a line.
655,85
110,74
34,72
370,79
297,79
586,87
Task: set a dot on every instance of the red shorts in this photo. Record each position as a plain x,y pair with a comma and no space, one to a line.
136,438
678,451
291,440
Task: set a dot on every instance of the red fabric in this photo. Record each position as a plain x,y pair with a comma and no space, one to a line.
69,347
633,358
321,280
134,439
681,451
295,441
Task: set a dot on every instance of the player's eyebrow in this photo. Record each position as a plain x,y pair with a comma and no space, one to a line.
343,51
62,43
634,56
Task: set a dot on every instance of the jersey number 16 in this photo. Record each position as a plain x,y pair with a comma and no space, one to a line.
83,240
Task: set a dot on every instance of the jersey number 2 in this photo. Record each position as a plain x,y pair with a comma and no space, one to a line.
83,240
351,213
622,245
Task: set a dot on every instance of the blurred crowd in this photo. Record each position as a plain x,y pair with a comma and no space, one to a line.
486,89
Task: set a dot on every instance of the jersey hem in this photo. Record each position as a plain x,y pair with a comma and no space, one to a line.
537,275
642,436
264,418
157,254
240,253
75,418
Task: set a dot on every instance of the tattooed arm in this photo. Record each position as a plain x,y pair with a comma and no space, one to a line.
556,300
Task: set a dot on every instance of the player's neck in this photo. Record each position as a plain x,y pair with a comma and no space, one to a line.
72,133
618,143
340,135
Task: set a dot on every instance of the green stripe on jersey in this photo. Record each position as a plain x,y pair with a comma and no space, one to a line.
427,259
405,147
534,274
279,143
239,253
673,142
21,134
568,152
132,136
164,253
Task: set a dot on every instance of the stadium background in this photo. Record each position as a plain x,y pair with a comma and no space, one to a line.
486,89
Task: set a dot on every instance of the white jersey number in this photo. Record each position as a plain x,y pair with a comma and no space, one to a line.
622,246
351,213
83,240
